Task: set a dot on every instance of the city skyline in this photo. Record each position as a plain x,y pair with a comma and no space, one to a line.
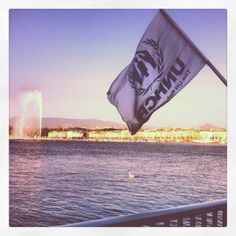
73,56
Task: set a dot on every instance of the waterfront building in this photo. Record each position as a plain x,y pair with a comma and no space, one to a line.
69,134
165,135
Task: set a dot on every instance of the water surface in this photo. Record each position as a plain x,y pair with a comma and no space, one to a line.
59,182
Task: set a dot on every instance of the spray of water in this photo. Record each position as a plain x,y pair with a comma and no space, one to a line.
29,124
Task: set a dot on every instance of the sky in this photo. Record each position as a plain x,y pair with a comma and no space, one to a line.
73,56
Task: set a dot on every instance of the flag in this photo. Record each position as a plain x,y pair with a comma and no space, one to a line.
163,64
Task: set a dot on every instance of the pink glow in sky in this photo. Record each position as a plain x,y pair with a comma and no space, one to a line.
73,56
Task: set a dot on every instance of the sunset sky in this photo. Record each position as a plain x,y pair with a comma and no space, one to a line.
73,56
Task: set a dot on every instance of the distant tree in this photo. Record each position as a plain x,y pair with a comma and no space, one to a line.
44,132
85,135
10,130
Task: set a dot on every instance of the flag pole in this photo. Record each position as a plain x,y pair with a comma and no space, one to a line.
220,76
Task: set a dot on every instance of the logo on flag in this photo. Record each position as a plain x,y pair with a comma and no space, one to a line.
139,69
164,63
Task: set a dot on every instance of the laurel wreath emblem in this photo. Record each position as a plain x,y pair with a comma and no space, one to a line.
160,67
140,91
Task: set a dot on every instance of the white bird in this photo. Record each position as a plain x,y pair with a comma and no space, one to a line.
131,175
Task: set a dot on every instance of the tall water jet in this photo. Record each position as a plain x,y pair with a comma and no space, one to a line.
29,123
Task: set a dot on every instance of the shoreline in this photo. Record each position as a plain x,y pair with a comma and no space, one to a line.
120,141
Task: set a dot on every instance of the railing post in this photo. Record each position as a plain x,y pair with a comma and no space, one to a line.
224,211
180,221
167,223
192,221
204,219
214,218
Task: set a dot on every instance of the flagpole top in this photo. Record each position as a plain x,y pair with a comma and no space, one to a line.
206,60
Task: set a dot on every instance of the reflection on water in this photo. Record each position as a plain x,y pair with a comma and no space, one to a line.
56,182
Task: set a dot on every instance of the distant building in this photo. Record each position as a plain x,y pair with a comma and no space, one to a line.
103,127
220,136
65,134
176,135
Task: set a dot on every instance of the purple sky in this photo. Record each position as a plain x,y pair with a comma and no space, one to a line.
73,56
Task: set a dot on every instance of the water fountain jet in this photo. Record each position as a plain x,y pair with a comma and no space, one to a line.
29,124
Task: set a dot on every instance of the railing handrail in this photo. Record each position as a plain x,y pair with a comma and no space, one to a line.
155,215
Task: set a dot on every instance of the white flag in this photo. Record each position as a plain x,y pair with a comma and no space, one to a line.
163,64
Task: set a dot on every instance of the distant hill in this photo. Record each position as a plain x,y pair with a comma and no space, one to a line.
208,126
53,122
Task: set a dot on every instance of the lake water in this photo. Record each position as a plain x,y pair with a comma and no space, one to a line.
59,182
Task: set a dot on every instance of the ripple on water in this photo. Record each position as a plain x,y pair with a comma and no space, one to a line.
55,183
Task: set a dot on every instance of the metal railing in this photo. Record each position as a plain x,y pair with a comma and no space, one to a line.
202,214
